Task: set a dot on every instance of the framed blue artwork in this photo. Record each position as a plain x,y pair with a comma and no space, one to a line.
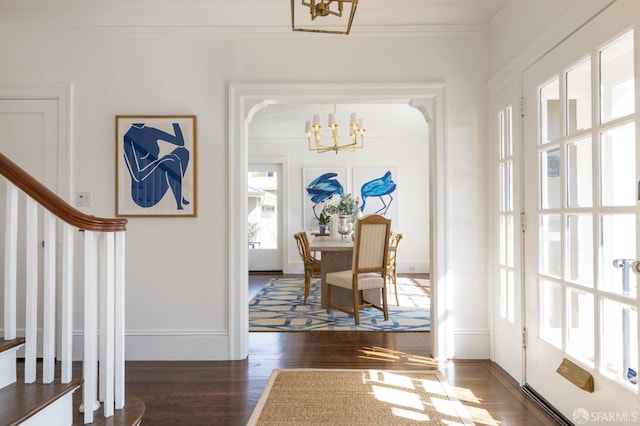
156,165
320,185
377,188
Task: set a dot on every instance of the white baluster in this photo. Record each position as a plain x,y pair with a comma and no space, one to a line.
10,262
106,321
31,321
119,319
90,364
66,304
49,302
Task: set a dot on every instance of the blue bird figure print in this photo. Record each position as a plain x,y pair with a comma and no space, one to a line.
322,189
379,187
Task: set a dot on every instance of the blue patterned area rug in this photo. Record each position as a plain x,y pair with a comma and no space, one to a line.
278,307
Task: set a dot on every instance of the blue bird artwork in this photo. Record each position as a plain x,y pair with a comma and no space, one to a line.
381,187
322,189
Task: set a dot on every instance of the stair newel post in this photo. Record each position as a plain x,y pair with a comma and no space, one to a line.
49,299
90,364
119,319
107,278
31,278
11,262
66,304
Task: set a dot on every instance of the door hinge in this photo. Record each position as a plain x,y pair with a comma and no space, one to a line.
522,107
524,338
523,222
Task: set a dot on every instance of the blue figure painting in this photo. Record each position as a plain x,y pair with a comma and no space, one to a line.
379,187
323,188
152,174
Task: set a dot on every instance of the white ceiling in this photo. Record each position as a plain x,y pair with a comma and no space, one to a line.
282,122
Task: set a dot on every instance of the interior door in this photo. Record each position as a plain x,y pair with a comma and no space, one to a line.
507,349
581,175
264,207
28,137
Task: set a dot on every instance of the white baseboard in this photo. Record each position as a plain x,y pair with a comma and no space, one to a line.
169,345
470,344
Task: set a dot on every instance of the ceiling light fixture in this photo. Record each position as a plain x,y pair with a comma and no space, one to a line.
333,18
313,130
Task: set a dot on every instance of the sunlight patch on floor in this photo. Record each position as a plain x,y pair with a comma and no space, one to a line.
383,354
401,392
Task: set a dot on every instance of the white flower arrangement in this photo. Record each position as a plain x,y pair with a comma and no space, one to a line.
348,205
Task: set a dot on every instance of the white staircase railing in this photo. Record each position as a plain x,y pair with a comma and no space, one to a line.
102,260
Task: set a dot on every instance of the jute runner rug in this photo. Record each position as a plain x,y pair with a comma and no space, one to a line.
313,397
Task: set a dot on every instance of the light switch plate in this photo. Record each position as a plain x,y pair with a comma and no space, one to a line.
83,199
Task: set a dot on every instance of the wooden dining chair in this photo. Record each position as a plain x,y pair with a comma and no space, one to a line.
369,270
392,261
311,264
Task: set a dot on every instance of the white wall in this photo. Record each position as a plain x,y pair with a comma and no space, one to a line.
177,269
524,30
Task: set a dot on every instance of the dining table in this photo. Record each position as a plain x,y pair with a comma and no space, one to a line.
336,254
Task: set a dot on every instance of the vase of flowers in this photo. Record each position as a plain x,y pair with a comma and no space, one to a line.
346,209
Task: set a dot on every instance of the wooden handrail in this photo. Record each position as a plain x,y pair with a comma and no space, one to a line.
56,205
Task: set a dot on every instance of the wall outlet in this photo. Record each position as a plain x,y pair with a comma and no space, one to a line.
83,199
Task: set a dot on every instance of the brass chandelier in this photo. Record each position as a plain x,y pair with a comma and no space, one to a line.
331,14
313,130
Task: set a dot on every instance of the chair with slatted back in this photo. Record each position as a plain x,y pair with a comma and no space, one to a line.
392,262
369,268
311,264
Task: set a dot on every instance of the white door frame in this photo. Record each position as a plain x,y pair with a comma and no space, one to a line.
245,99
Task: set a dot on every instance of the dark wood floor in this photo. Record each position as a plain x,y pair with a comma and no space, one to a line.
226,392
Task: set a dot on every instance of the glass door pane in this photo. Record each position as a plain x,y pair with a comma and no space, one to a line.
263,211
617,162
617,79
265,217
579,97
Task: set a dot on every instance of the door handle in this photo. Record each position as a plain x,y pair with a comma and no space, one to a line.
625,265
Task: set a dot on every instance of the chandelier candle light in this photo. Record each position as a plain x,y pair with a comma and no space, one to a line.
313,130
335,16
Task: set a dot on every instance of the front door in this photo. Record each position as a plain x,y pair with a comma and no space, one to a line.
507,349
265,217
581,188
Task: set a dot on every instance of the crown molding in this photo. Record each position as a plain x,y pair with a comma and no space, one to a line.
236,31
